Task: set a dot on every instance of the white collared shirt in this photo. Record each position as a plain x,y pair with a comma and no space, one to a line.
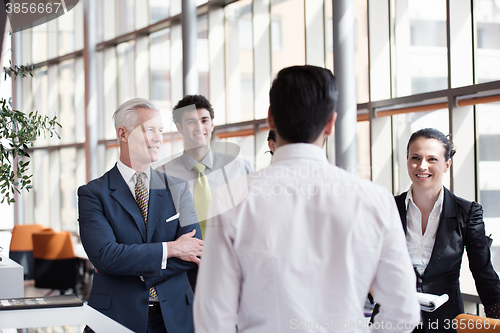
301,250
129,176
420,246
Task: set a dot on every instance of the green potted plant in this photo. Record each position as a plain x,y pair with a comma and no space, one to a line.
18,131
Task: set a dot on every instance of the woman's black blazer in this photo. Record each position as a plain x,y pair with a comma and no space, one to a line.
461,225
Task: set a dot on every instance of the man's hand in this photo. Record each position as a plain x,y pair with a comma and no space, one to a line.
186,247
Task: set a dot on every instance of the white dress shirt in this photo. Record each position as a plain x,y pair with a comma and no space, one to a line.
129,176
301,251
420,245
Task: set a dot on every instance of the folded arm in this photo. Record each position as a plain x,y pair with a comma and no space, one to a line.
130,256
104,251
478,252
184,253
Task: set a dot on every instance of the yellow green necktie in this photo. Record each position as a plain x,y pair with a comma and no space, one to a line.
201,196
142,199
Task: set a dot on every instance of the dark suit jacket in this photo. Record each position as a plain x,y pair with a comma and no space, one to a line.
124,253
461,225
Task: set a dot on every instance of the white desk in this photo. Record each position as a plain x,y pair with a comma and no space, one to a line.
80,315
11,279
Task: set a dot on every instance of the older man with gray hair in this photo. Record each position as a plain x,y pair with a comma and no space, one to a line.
140,231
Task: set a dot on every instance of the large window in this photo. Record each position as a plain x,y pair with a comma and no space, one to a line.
66,27
410,56
158,10
239,64
126,77
40,86
160,68
126,16
66,115
488,170
362,131
68,183
287,34
202,54
487,24
420,62
361,44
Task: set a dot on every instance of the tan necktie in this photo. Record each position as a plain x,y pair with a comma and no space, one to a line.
201,196
142,199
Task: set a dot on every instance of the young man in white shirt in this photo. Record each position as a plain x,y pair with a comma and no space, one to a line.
304,246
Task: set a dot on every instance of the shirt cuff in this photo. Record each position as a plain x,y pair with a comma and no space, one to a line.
165,255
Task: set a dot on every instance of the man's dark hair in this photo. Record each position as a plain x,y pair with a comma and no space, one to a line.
271,136
199,101
302,100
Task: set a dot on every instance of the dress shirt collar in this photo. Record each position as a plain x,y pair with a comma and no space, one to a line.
128,174
190,162
299,150
439,201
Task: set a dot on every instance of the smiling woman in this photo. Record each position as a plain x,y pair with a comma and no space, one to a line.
438,226
428,156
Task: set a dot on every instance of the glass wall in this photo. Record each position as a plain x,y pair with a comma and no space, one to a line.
239,63
487,25
202,54
158,10
361,52
126,77
66,114
420,58
364,165
160,68
287,34
488,171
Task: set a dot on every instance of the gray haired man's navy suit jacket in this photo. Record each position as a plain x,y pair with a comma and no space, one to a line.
128,258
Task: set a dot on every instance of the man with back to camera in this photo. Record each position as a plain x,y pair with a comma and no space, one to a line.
303,248
207,166
140,231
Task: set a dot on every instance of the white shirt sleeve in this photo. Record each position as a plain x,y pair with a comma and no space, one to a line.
394,283
219,281
165,255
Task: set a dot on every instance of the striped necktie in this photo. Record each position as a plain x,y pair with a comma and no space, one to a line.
142,199
201,196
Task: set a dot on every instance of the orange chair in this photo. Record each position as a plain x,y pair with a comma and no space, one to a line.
21,247
472,324
56,266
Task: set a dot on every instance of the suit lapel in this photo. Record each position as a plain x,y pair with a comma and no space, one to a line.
159,200
121,193
447,224
401,204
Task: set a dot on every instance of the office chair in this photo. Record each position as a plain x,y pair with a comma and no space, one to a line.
21,247
470,323
56,266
